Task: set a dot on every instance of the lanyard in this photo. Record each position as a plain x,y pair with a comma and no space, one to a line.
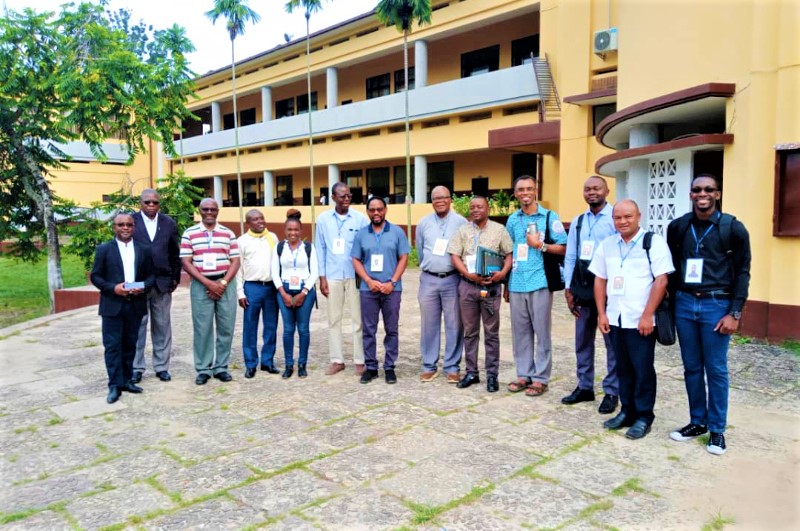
592,225
703,237
210,239
443,226
294,254
619,246
340,223
378,236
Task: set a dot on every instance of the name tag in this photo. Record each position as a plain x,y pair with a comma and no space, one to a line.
617,285
209,261
522,252
470,262
587,250
338,246
439,247
693,272
376,263
294,280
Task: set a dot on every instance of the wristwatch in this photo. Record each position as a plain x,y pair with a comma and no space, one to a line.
736,315
394,284
224,282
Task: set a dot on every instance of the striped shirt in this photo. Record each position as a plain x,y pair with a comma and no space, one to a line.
216,246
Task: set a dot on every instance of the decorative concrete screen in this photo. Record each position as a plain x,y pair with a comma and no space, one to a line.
662,186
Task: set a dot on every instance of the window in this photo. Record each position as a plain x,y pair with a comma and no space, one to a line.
378,86
480,186
440,174
353,180
247,117
786,218
283,190
522,50
480,61
378,182
600,113
284,108
399,195
400,79
302,103
227,121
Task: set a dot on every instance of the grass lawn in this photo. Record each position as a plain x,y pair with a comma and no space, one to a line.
23,287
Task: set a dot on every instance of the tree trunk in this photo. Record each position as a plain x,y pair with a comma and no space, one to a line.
409,197
236,142
310,131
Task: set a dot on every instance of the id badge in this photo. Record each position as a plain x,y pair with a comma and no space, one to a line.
439,247
338,246
522,252
209,261
294,280
617,285
376,263
693,273
587,250
471,263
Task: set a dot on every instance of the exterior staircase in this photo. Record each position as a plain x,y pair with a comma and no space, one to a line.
550,106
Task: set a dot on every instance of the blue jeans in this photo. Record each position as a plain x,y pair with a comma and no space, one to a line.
705,357
296,319
261,301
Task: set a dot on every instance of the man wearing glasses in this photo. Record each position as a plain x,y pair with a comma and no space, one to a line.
210,255
336,230
438,289
159,232
711,252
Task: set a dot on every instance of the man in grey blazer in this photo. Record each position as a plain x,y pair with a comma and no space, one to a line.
159,232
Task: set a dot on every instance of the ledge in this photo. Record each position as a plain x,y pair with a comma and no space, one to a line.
610,164
540,138
597,97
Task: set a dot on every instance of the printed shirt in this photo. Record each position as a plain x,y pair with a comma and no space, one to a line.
615,258
391,242
528,275
431,228
220,241
295,263
468,237
256,257
595,228
329,228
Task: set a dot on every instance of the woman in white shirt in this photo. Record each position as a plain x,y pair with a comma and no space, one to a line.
294,273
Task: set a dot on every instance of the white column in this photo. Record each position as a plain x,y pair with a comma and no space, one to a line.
333,178
269,189
216,117
420,64
639,170
218,190
420,179
332,87
266,104
621,177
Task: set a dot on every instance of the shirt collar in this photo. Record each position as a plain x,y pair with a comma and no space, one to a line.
148,220
385,227
540,211
123,244
605,212
619,236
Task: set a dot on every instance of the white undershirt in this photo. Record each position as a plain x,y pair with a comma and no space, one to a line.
151,225
128,260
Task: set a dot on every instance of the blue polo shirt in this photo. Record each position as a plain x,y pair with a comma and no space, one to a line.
529,275
391,242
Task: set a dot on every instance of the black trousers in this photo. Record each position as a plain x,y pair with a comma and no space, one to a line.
636,372
120,334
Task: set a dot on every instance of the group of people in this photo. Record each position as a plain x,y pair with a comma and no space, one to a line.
616,275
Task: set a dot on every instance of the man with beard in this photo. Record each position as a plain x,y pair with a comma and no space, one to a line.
711,252
586,232
380,254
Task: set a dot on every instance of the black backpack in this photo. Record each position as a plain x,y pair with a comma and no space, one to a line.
582,283
307,246
553,263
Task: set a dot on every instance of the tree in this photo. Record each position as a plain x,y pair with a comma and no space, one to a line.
310,6
401,14
238,14
80,74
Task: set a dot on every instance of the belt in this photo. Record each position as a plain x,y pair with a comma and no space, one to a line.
707,294
482,286
216,277
261,282
441,275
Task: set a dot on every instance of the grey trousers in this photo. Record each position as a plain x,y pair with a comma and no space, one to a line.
213,323
474,310
585,330
531,318
438,297
159,306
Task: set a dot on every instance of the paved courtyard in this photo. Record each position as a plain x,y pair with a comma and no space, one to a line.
330,453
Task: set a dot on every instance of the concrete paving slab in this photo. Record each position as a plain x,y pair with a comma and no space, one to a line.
87,408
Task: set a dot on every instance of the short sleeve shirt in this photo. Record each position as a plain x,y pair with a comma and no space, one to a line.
468,237
390,244
528,275
211,250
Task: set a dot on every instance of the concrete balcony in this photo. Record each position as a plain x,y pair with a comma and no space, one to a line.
80,151
502,87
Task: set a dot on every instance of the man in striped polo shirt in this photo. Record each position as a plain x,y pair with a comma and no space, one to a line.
210,256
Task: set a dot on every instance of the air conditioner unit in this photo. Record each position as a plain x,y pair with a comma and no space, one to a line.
605,41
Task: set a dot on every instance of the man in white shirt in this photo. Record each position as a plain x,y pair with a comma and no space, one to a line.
257,294
629,285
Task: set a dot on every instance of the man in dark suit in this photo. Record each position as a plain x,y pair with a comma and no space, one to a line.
117,265
159,232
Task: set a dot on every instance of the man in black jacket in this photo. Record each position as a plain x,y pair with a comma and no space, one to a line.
123,273
159,232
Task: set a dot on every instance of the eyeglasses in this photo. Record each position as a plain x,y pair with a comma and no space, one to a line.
707,189
379,209
124,224
151,202
209,210
343,196
442,198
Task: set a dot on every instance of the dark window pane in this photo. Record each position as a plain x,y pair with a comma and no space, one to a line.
787,193
400,79
227,121
378,182
302,103
353,180
440,174
283,190
378,86
480,61
284,108
399,195
247,117
600,112
522,49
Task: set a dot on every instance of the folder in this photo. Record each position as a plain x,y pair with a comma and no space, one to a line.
488,261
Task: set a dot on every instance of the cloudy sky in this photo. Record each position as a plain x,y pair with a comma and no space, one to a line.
211,41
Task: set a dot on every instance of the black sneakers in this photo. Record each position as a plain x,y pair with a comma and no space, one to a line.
690,431
391,377
716,443
368,376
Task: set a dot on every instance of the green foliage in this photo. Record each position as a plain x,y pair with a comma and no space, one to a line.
403,13
461,204
717,522
309,6
792,345
237,14
500,203
179,195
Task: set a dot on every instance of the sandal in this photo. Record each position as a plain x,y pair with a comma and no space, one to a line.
520,385
536,389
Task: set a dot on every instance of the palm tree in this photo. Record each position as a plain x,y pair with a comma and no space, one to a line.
237,13
401,14
310,6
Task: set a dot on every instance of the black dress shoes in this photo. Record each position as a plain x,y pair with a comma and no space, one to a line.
164,376
639,429
223,376
137,377
368,375
620,421
577,396
113,395
270,369
131,388
608,405
491,384
301,371
202,379
469,379
391,377
287,372
249,373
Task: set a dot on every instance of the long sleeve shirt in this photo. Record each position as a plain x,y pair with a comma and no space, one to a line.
595,228
334,241
256,260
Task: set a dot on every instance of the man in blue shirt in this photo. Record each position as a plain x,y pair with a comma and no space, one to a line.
380,254
531,300
336,230
586,232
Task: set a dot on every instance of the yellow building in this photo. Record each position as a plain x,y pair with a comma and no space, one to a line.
647,93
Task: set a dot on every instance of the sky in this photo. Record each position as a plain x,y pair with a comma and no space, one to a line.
211,41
